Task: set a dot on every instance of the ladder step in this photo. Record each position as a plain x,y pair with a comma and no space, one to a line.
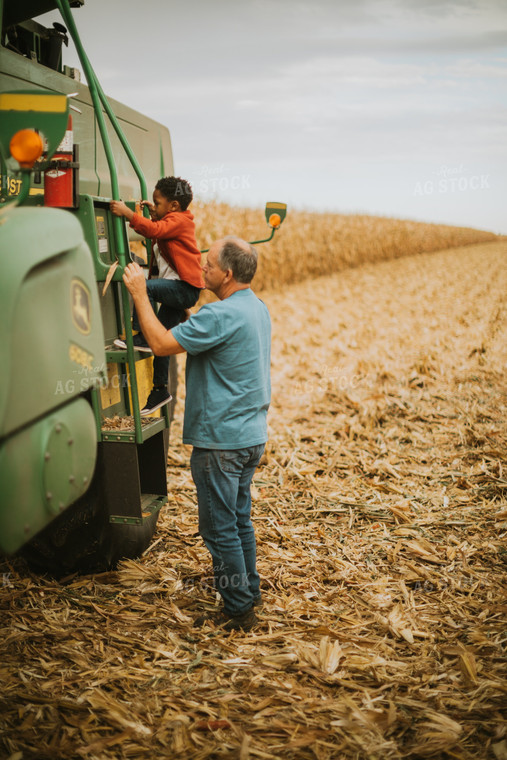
149,427
119,355
150,505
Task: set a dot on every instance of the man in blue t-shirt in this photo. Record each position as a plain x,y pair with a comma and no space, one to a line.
227,398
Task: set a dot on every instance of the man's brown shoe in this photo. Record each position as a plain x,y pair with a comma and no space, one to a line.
243,622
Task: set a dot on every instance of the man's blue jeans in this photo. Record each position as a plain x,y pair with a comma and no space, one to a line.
222,479
174,296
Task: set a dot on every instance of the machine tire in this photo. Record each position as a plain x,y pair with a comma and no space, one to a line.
82,539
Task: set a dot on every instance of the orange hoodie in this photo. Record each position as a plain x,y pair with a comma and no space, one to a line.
175,236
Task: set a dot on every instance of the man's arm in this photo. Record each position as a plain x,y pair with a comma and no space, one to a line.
159,339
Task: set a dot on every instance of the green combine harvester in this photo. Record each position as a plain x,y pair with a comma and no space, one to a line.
82,474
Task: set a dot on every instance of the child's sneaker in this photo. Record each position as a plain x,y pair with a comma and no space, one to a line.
139,343
157,398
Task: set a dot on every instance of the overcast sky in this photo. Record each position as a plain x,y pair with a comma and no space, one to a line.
388,107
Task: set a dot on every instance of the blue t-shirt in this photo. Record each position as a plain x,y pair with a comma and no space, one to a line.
228,387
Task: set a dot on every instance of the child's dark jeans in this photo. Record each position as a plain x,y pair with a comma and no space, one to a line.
174,296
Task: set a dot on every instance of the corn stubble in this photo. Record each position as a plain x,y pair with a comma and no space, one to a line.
380,513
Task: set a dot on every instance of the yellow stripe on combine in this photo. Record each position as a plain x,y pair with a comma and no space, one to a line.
12,101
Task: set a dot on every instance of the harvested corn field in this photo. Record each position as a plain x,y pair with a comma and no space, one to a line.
381,517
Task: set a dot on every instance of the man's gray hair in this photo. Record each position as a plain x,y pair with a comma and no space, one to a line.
238,256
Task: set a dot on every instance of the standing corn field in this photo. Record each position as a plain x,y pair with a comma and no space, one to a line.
313,244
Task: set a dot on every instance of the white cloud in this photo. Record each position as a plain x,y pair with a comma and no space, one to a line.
348,102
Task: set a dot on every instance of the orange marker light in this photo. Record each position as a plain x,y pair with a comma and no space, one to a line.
26,147
275,220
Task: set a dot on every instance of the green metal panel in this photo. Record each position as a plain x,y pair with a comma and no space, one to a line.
148,138
49,307
96,220
44,468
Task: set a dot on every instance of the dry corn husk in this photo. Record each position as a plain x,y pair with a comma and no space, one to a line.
379,508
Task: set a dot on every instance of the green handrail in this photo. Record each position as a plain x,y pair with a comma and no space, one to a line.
92,85
99,99
252,242
106,105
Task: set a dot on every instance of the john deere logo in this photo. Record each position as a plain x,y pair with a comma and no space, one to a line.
80,305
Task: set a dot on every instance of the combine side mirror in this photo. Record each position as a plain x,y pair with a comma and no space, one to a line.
275,213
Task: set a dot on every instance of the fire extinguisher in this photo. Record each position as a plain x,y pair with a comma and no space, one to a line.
60,175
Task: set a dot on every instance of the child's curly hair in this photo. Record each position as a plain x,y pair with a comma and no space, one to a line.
176,189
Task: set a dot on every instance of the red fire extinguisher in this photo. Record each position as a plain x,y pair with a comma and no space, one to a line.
60,176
